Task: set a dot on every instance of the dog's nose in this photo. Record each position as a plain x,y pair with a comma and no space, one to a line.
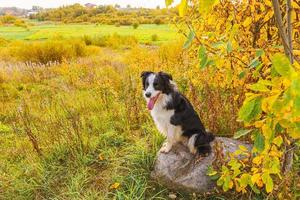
148,94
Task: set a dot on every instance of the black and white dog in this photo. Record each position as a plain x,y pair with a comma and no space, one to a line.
173,114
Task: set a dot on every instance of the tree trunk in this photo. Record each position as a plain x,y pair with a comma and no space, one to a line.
286,38
280,26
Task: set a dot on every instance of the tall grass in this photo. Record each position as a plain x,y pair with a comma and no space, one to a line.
71,130
115,40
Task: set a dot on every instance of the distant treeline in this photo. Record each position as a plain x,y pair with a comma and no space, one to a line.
106,15
13,11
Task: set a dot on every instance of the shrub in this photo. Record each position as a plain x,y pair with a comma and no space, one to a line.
20,23
7,19
117,24
154,37
87,39
50,51
114,40
157,21
3,42
135,25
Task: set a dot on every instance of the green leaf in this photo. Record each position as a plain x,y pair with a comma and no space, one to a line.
259,141
203,62
267,180
169,2
226,183
229,47
219,44
250,109
255,189
201,52
245,180
183,7
189,40
242,74
4,128
295,90
278,141
282,65
241,133
259,53
254,63
259,86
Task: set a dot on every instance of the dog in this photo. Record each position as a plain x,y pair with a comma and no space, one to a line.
173,114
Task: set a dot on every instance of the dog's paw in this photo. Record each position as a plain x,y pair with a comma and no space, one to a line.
166,148
193,151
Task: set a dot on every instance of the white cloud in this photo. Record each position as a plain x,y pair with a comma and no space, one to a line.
56,3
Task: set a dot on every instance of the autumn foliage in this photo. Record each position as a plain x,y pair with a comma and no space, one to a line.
240,43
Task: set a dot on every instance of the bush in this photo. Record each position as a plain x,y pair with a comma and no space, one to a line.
135,25
157,21
114,40
7,19
87,39
20,23
154,37
50,51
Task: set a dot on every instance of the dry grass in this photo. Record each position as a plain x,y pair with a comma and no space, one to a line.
71,130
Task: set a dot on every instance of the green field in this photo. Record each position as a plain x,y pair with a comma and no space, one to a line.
40,32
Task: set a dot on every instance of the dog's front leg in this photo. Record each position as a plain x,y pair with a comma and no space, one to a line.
171,140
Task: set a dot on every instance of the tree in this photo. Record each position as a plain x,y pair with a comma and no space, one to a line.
237,40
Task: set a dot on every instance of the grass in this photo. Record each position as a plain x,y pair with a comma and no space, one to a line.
78,128
72,130
45,31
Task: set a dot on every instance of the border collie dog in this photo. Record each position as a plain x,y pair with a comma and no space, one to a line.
173,114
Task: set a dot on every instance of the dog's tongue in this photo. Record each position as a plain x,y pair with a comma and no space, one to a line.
151,103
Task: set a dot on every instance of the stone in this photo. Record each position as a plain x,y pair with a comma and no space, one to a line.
182,171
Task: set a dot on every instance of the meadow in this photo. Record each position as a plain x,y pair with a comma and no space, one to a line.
74,124
43,31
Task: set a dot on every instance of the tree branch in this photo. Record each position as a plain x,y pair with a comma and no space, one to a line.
280,26
289,10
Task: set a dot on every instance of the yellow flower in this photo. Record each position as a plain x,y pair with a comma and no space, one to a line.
115,185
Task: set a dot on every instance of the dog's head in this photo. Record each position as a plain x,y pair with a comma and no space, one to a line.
155,84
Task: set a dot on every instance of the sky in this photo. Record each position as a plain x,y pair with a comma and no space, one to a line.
56,3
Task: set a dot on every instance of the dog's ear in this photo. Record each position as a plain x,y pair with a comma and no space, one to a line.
165,75
144,74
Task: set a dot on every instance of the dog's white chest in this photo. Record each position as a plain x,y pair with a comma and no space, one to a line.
162,119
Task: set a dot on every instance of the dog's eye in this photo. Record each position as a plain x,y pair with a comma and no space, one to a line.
155,84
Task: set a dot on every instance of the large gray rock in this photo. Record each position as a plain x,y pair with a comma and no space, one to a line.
181,170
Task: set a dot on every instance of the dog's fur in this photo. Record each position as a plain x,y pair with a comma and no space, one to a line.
173,114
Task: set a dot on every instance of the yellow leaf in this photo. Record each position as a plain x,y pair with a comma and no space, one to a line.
243,148
278,141
267,180
182,8
295,5
259,183
267,131
268,16
257,160
100,157
268,3
254,170
259,124
231,184
115,185
247,22
295,134
274,154
255,178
